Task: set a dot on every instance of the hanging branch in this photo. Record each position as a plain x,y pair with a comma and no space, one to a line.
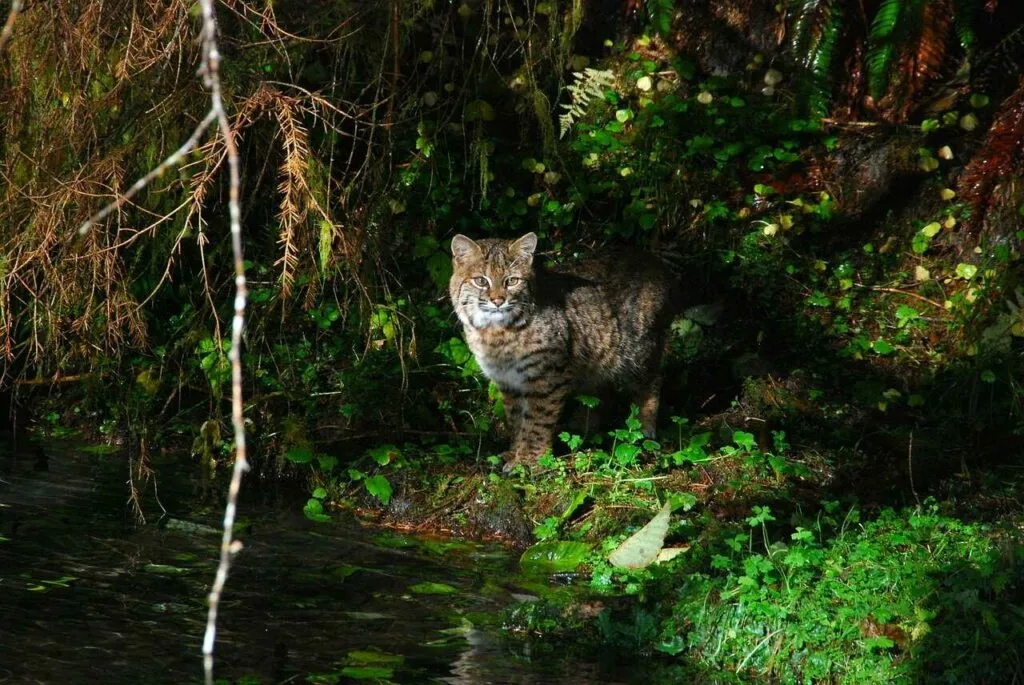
210,71
228,546
5,32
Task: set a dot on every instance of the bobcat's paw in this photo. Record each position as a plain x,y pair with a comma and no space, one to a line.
514,459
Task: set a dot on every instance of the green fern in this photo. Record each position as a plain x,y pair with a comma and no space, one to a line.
659,15
812,19
964,12
586,86
815,32
882,45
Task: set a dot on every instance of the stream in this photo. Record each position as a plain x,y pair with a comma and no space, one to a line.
87,595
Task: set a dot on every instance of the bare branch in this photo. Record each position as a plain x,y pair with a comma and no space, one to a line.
210,71
211,76
5,32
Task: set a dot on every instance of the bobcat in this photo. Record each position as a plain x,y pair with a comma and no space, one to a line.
541,334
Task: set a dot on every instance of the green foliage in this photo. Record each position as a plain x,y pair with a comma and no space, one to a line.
873,328
852,601
314,509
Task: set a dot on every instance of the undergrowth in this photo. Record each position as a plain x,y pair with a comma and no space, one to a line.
840,445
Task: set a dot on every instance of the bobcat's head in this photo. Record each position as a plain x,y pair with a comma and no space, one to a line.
491,285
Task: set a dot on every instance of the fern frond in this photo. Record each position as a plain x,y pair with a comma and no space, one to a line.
586,86
1005,57
816,33
812,24
936,21
1001,154
294,189
929,49
964,16
882,45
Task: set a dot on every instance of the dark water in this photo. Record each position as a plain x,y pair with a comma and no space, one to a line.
89,596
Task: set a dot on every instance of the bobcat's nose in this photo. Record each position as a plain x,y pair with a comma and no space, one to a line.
497,301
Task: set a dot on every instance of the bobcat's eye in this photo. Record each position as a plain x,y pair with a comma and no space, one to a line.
513,281
481,281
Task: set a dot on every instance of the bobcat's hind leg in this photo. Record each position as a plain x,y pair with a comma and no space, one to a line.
648,398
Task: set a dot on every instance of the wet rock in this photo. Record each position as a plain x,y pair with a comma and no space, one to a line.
500,514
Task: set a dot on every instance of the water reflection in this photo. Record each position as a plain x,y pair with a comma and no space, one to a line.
88,596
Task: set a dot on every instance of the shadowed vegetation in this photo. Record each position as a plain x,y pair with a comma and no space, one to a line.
841,178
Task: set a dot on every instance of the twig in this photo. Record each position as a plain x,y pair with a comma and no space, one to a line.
5,33
172,160
897,291
858,124
59,379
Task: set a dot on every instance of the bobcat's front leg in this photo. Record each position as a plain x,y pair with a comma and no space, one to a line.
541,407
515,405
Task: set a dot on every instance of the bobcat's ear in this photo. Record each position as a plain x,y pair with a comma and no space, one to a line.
525,246
463,247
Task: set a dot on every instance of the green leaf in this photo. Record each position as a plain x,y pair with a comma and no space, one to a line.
367,672
384,454
165,570
554,557
439,266
314,510
577,500
429,588
966,271
873,643
479,110
963,23
882,347
818,299
379,487
626,454
920,243
682,500
905,315
366,657
326,242
744,440
299,454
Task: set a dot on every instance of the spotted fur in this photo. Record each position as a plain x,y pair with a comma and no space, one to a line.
542,334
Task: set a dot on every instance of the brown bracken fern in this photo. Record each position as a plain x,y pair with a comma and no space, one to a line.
1000,157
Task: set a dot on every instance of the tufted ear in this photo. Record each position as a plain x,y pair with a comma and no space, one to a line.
463,247
525,246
